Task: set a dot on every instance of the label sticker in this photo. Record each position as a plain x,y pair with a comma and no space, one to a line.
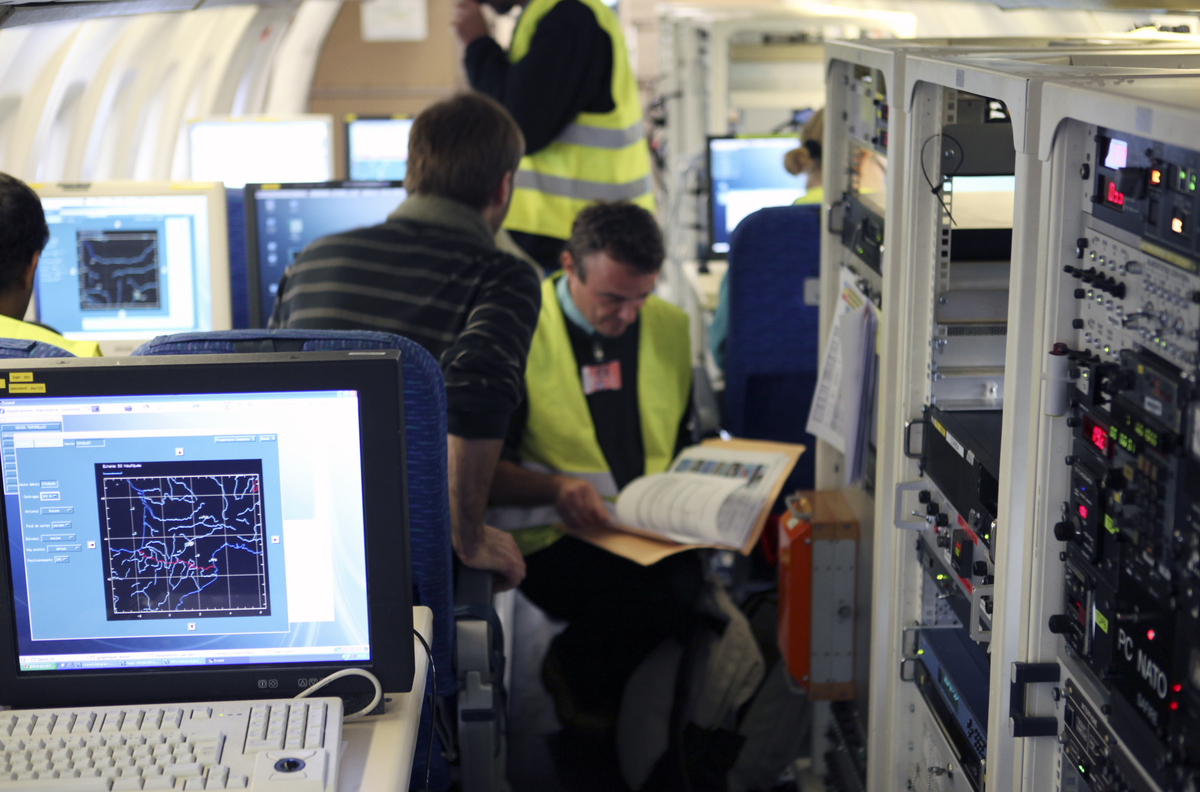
38,387
957,446
1108,524
1101,622
939,427
21,376
3,384
1153,406
601,377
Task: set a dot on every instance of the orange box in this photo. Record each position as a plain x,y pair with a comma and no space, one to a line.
818,550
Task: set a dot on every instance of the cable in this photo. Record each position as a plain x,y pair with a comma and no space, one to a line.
429,698
345,672
937,191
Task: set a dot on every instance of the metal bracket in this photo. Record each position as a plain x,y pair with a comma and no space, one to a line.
977,595
1023,675
899,517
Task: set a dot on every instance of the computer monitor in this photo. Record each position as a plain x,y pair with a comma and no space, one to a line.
377,148
746,174
128,261
282,219
297,148
183,528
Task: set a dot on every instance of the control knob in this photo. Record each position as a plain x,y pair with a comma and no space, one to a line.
1061,623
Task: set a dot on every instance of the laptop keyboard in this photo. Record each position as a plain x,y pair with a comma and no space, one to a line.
257,745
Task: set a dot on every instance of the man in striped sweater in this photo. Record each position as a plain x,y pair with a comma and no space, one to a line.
432,273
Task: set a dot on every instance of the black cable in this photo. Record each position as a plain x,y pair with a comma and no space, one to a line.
937,191
429,698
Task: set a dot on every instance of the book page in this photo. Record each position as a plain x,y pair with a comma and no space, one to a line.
710,495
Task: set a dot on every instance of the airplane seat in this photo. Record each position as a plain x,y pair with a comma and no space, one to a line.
772,356
473,651
23,348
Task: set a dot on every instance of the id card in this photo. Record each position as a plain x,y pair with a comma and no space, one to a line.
601,377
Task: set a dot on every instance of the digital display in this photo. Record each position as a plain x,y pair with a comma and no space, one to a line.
948,688
1097,435
1114,196
1118,154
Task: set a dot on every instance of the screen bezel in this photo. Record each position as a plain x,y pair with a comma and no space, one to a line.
350,119
254,283
710,239
376,376
221,302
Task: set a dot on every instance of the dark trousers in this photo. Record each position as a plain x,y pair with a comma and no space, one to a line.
618,611
542,249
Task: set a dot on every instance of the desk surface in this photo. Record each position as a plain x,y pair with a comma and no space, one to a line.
378,751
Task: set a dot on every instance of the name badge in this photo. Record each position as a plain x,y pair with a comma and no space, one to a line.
601,377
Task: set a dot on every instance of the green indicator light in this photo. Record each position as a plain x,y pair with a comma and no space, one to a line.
920,651
1082,769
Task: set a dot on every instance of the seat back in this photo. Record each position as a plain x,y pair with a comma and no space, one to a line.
22,348
428,487
772,351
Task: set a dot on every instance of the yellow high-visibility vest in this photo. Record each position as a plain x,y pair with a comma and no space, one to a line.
15,328
598,157
560,436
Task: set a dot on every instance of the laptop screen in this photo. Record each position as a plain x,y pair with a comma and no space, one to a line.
214,528
282,219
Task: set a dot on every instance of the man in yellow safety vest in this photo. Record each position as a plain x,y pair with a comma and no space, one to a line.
566,80
608,386
23,235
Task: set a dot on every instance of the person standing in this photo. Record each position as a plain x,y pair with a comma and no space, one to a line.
567,81
432,273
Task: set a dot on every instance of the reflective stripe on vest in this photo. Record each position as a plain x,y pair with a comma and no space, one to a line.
597,157
559,432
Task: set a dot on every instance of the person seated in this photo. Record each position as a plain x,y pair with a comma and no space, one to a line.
23,236
803,161
607,400
432,272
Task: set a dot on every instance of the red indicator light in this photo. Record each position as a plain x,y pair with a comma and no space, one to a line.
1176,688
1100,438
1083,511
1174,705
1114,195
1149,635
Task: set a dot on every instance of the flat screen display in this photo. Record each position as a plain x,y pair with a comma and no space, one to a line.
283,219
747,174
377,148
236,151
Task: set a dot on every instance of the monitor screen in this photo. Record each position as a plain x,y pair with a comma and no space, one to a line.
282,219
185,521
128,261
746,174
240,150
377,148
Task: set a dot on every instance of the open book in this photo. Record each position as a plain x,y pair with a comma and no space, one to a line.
717,494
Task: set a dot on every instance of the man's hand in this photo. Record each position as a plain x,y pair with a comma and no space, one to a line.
578,503
498,552
469,23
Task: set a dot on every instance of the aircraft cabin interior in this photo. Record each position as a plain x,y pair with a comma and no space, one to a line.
600,395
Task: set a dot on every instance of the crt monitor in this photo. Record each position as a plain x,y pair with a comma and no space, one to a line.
128,261
237,150
184,528
746,174
282,219
377,148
